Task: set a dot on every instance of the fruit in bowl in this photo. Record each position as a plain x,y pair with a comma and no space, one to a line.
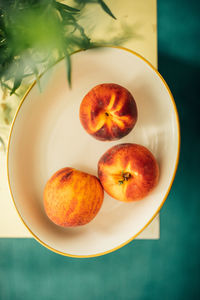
128,172
108,112
72,198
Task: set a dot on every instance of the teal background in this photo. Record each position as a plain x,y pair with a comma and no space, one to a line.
144,270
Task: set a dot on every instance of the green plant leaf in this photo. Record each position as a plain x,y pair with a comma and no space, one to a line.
69,66
2,144
18,76
31,28
17,83
106,8
67,17
63,6
85,38
36,72
6,86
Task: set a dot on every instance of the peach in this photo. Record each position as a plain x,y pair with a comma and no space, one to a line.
72,198
128,172
108,112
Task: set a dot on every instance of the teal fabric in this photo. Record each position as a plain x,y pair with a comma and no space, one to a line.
143,270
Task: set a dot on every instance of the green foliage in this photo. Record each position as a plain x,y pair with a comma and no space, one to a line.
34,34
100,2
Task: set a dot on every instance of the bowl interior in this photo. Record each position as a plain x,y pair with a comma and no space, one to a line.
47,135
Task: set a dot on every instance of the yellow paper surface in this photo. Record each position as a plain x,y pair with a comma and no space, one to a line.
135,29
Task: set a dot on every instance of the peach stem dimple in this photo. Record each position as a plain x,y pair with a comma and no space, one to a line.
125,177
106,113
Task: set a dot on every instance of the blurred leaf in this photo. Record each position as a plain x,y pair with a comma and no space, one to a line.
67,17
76,43
6,86
18,77
34,34
100,2
36,72
106,8
68,64
85,39
17,83
7,113
63,6
2,144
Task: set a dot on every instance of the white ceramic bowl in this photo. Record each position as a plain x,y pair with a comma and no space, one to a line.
46,135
